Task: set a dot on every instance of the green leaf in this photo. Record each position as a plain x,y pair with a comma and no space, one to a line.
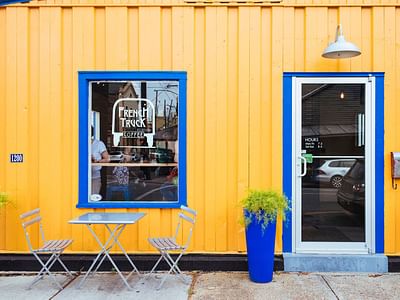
266,205
3,199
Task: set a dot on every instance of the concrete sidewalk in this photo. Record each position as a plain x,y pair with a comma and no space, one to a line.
200,285
297,286
99,286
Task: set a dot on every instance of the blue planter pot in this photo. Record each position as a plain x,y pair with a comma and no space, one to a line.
260,250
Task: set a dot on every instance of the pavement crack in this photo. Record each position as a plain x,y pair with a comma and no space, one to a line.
195,276
329,286
66,284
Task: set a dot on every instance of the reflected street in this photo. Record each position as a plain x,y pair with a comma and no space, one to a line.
325,220
332,168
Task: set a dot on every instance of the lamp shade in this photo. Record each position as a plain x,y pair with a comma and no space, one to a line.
341,48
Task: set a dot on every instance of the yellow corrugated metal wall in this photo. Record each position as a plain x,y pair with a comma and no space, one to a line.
234,56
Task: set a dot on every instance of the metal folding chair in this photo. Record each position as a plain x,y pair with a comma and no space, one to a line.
166,245
53,247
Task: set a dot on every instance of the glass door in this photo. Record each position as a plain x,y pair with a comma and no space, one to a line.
333,140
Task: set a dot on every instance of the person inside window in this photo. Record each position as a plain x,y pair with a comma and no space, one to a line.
169,189
121,173
99,155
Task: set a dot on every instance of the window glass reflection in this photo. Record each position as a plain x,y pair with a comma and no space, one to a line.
134,145
333,138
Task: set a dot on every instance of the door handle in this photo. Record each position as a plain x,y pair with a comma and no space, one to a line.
304,166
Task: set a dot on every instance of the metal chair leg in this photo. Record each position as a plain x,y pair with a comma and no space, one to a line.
62,264
46,267
173,267
156,264
41,273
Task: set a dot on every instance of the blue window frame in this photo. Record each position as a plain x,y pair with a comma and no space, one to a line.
379,151
5,2
144,113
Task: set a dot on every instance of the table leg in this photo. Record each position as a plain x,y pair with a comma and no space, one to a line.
126,254
114,234
118,271
104,250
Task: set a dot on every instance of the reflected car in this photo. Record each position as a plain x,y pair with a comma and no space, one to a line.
332,171
116,156
163,155
351,194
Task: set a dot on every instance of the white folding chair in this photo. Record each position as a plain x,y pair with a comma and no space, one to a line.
53,247
166,245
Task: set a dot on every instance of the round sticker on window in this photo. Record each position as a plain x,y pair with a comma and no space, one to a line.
95,197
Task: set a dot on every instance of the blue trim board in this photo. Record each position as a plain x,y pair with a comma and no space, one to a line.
379,150
83,140
182,185
333,74
379,164
287,160
84,77
5,2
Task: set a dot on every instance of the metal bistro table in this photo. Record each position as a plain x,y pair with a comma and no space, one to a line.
120,220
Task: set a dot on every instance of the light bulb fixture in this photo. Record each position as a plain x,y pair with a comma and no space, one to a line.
341,95
340,48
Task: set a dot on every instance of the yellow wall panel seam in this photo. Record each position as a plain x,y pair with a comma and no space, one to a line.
22,114
345,19
11,185
82,47
177,63
221,146
256,170
133,32
188,65
243,109
32,200
3,134
198,119
67,120
366,36
210,126
277,69
231,137
397,107
390,99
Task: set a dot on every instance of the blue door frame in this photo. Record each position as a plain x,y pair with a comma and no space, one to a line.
379,151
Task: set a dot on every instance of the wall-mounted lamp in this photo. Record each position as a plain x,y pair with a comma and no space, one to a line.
341,48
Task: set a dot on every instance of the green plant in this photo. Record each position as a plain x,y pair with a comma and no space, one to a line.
265,206
3,199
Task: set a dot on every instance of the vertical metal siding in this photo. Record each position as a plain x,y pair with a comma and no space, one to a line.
3,115
234,56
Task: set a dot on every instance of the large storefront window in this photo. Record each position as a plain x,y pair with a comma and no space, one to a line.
135,142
